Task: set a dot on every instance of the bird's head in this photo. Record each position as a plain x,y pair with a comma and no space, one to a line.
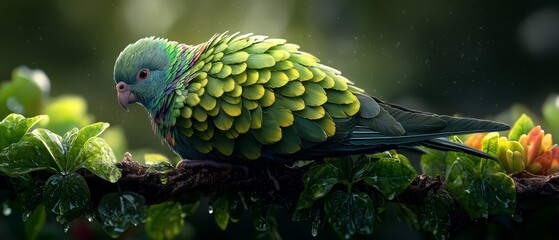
140,71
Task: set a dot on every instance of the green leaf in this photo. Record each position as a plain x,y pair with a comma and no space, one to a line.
318,181
76,144
221,211
24,157
349,213
437,163
550,113
391,176
67,196
522,126
98,157
351,168
490,144
35,223
52,143
25,94
119,211
434,212
259,208
14,126
481,187
164,221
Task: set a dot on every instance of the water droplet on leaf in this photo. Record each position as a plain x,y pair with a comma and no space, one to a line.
211,209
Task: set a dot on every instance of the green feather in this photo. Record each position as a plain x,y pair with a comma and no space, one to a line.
289,143
214,87
223,144
223,121
248,146
309,130
278,79
253,92
258,61
236,57
243,121
269,133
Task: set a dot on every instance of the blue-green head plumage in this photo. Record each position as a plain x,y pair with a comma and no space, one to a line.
140,70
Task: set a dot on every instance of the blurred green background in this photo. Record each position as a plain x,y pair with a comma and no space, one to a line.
474,58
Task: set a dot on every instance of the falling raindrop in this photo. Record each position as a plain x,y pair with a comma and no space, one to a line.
211,209
26,216
314,231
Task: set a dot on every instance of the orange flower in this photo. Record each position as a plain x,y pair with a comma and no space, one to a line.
535,143
548,162
475,140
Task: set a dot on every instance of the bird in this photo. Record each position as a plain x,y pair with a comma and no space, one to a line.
246,97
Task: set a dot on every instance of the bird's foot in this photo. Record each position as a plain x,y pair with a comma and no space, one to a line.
191,164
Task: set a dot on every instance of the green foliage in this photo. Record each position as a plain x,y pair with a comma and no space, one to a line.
391,175
164,220
481,187
67,196
63,192
434,212
522,126
349,209
349,213
25,94
550,112
118,211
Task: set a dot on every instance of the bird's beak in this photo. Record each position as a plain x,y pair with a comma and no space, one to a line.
125,95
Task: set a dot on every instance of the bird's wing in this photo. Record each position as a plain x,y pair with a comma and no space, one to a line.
253,94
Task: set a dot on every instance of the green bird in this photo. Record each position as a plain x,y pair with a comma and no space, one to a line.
247,97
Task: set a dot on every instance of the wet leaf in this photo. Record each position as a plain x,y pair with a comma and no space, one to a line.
98,157
67,196
437,163
77,143
14,126
259,208
349,213
481,187
391,176
434,212
160,167
24,157
318,181
164,221
119,211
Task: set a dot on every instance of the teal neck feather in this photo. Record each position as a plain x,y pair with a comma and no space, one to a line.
181,59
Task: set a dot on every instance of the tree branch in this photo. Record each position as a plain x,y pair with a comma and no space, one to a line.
533,192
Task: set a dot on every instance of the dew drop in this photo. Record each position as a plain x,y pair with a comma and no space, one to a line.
211,209
135,224
90,219
26,216
314,231
66,228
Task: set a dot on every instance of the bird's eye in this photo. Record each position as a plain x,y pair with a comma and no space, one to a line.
143,74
